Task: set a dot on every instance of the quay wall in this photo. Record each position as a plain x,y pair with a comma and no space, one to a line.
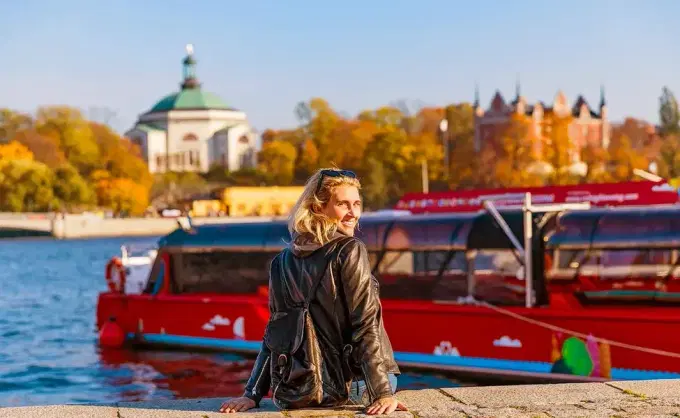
657,398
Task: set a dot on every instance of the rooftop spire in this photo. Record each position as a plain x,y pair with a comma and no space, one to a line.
517,89
476,104
603,102
189,69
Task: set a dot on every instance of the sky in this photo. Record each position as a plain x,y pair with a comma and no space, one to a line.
265,56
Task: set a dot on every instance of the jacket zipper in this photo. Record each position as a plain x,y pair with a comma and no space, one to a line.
264,369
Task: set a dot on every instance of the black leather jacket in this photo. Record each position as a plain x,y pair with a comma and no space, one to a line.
345,310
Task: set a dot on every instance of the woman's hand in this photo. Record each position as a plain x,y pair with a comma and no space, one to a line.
385,406
237,405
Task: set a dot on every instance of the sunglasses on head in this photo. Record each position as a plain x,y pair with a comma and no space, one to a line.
333,173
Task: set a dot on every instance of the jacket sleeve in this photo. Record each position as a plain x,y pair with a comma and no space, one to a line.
364,308
260,379
259,382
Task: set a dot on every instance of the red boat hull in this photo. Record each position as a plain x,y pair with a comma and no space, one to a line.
513,342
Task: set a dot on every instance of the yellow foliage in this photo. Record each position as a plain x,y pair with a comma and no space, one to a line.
122,195
15,151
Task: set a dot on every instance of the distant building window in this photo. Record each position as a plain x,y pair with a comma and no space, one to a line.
243,140
190,137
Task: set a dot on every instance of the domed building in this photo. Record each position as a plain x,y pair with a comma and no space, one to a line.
192,130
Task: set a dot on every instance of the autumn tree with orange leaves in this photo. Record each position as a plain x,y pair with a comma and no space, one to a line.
56,158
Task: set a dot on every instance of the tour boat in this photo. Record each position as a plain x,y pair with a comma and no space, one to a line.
602,300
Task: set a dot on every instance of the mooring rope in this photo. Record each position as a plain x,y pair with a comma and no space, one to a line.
576,333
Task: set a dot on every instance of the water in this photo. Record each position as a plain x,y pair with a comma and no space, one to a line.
48,348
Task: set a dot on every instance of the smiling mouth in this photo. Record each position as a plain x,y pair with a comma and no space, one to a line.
350,223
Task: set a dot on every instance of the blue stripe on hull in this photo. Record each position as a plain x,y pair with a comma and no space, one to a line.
413,358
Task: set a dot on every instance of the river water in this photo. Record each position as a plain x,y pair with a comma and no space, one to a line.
48,345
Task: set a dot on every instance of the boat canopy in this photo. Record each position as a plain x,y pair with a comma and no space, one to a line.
441,232
248,236
657,227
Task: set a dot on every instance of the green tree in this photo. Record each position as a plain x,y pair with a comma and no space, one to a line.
26,186
71,189
669,115
669,157
374,185
11,123
277,160
73,134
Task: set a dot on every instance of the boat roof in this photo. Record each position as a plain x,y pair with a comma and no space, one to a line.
389,231
618,228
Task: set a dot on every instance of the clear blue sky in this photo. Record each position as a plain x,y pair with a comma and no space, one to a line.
265,56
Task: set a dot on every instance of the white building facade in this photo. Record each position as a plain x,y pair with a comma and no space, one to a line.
193,130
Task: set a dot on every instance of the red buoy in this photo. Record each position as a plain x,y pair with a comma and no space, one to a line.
111,334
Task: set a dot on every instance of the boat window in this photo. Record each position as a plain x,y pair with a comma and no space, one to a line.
221,272
156,276
498,277
433,261
611,264
646,263
414,275
638,229
574,229
428,234
397,263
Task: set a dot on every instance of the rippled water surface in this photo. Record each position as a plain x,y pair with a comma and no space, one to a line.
48,350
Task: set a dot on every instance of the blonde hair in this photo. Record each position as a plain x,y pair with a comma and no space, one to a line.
307,217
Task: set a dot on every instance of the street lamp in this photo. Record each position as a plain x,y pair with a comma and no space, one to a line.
443,131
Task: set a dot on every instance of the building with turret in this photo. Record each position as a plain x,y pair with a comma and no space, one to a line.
589,125
193,129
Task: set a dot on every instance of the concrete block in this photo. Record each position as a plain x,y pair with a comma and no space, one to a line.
535,395
661,389
59,411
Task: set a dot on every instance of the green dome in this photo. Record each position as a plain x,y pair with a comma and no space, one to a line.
189,99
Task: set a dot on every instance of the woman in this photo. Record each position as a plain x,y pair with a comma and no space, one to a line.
326,270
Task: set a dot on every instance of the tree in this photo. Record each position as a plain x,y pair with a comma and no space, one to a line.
515,154
71,189
595,159
307,160
25,186
374,185
73,134
623,159
669,115
122,195
15,151
12,122
558,148
119,156
277,161
669,157
463,171
44,148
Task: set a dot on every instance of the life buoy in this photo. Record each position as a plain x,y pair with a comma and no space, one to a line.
116,286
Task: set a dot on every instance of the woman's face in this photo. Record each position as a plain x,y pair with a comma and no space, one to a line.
345,208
